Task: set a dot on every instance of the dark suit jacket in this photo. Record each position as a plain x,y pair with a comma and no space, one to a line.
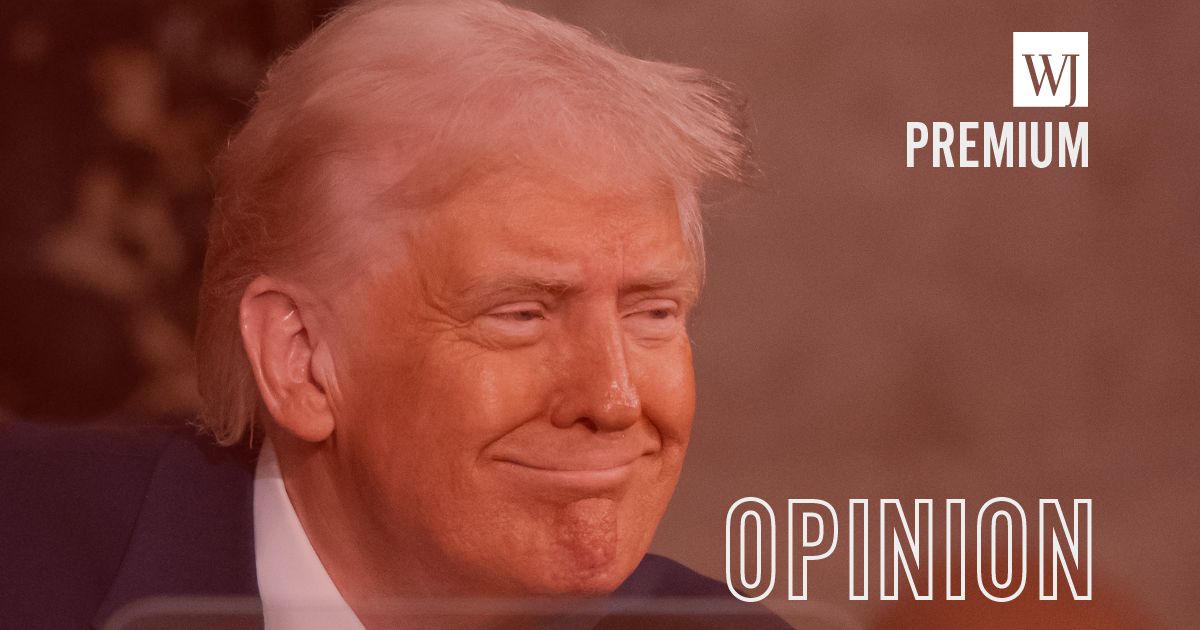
92,519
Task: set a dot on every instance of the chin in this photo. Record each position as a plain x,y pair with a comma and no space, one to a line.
595,587
553,569
571,571
581,547
583,578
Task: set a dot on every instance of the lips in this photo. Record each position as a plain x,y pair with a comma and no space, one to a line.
579,471
587,461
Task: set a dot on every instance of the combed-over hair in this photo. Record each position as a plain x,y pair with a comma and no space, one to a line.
426,96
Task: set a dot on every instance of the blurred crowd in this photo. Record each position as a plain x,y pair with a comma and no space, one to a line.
112,113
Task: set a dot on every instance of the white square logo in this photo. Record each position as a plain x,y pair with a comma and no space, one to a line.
1050,69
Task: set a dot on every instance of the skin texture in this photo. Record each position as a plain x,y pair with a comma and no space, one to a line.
498,405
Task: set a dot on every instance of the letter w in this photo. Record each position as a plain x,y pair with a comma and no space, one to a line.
1048,75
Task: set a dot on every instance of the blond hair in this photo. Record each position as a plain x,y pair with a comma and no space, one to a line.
439,92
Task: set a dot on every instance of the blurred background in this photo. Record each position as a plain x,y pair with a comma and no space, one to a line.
868,331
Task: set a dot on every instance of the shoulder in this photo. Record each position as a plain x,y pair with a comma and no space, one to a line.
658,576
106,438
65,471
688,600
71,497
82,471
54,461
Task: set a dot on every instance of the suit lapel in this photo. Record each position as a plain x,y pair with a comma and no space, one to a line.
195,532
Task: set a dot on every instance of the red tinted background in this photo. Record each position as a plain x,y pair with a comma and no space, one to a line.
868,330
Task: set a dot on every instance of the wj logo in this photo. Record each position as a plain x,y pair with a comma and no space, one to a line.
1050,69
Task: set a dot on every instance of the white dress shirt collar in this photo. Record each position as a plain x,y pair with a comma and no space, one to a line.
296,591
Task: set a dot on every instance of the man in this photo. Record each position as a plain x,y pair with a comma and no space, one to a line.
442,336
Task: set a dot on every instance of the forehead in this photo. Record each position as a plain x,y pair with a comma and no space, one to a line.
540,223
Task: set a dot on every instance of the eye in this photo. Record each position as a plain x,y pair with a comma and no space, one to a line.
523,315
654,319
514,324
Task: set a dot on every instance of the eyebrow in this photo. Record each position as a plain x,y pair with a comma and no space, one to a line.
682,280
492,288
489,288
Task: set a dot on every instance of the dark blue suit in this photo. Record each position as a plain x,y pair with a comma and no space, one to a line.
93,519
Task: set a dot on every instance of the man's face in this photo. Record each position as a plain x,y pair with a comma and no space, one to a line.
515,389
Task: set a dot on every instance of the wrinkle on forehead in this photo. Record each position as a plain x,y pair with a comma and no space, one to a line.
539,235
564,236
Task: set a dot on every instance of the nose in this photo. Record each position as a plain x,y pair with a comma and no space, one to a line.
599,390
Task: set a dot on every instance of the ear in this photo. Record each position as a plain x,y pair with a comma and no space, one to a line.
281,350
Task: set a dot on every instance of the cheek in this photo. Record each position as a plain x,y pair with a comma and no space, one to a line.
439,407
487,394
507,389
667,386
